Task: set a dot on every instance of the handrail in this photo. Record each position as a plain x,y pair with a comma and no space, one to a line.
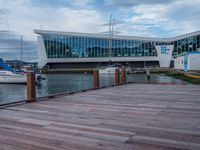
78,91
51,96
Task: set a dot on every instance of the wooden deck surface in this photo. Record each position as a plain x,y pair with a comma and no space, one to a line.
129,117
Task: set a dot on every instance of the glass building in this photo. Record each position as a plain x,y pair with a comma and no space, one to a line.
64,49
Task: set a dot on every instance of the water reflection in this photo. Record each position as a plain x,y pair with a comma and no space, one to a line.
58,83
12,93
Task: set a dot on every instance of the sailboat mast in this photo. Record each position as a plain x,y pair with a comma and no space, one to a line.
21,58
110,37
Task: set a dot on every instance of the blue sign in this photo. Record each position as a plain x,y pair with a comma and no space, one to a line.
186,63
164,50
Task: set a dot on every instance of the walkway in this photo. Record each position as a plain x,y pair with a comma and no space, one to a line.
128,117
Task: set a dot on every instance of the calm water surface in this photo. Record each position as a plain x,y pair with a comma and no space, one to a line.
58,83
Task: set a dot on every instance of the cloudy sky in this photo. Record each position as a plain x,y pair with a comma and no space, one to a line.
152,18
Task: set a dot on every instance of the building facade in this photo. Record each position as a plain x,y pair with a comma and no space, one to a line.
66,49
187,61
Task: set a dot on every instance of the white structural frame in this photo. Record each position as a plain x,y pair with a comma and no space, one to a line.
43,60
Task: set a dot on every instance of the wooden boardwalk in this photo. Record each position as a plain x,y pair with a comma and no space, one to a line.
128,117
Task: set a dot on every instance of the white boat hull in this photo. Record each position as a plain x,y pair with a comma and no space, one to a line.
108,70
111,70
14,79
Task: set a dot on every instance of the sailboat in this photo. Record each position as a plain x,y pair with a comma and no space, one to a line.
9,75
110,69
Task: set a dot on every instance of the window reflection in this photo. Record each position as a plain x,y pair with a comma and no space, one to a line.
64,46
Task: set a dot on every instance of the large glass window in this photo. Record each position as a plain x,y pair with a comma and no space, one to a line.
66,46
188,44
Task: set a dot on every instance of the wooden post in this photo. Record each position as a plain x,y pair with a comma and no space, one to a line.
117,75
31,92
123,76
96,78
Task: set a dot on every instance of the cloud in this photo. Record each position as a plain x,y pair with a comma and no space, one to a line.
3,11
158,18
28,16
82,4
131,3
62,3
25,17
10,47
81,20
50,3
167,16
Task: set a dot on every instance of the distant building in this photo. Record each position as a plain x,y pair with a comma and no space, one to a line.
83,50
188,61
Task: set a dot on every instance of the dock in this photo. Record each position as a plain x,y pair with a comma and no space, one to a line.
126,117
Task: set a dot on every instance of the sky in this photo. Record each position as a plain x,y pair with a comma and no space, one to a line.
151,18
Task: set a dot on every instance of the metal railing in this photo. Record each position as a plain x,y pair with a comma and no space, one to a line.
119,79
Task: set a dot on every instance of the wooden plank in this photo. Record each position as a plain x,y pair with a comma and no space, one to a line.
165,142
133,116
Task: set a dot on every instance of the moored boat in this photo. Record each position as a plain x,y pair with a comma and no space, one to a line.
9,77
107,70
111,69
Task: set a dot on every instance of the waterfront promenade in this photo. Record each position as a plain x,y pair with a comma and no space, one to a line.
127,117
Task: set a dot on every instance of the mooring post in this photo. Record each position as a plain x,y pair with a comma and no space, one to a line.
96,78
148,75
31,91
117,75
123,76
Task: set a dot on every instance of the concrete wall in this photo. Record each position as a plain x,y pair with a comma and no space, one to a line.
187,62
179,63
194,62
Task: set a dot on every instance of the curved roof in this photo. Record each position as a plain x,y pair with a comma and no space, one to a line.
119,36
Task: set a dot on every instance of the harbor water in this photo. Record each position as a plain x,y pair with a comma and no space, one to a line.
59,83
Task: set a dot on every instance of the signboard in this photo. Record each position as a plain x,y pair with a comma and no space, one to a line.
164,50
186,63
164,55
